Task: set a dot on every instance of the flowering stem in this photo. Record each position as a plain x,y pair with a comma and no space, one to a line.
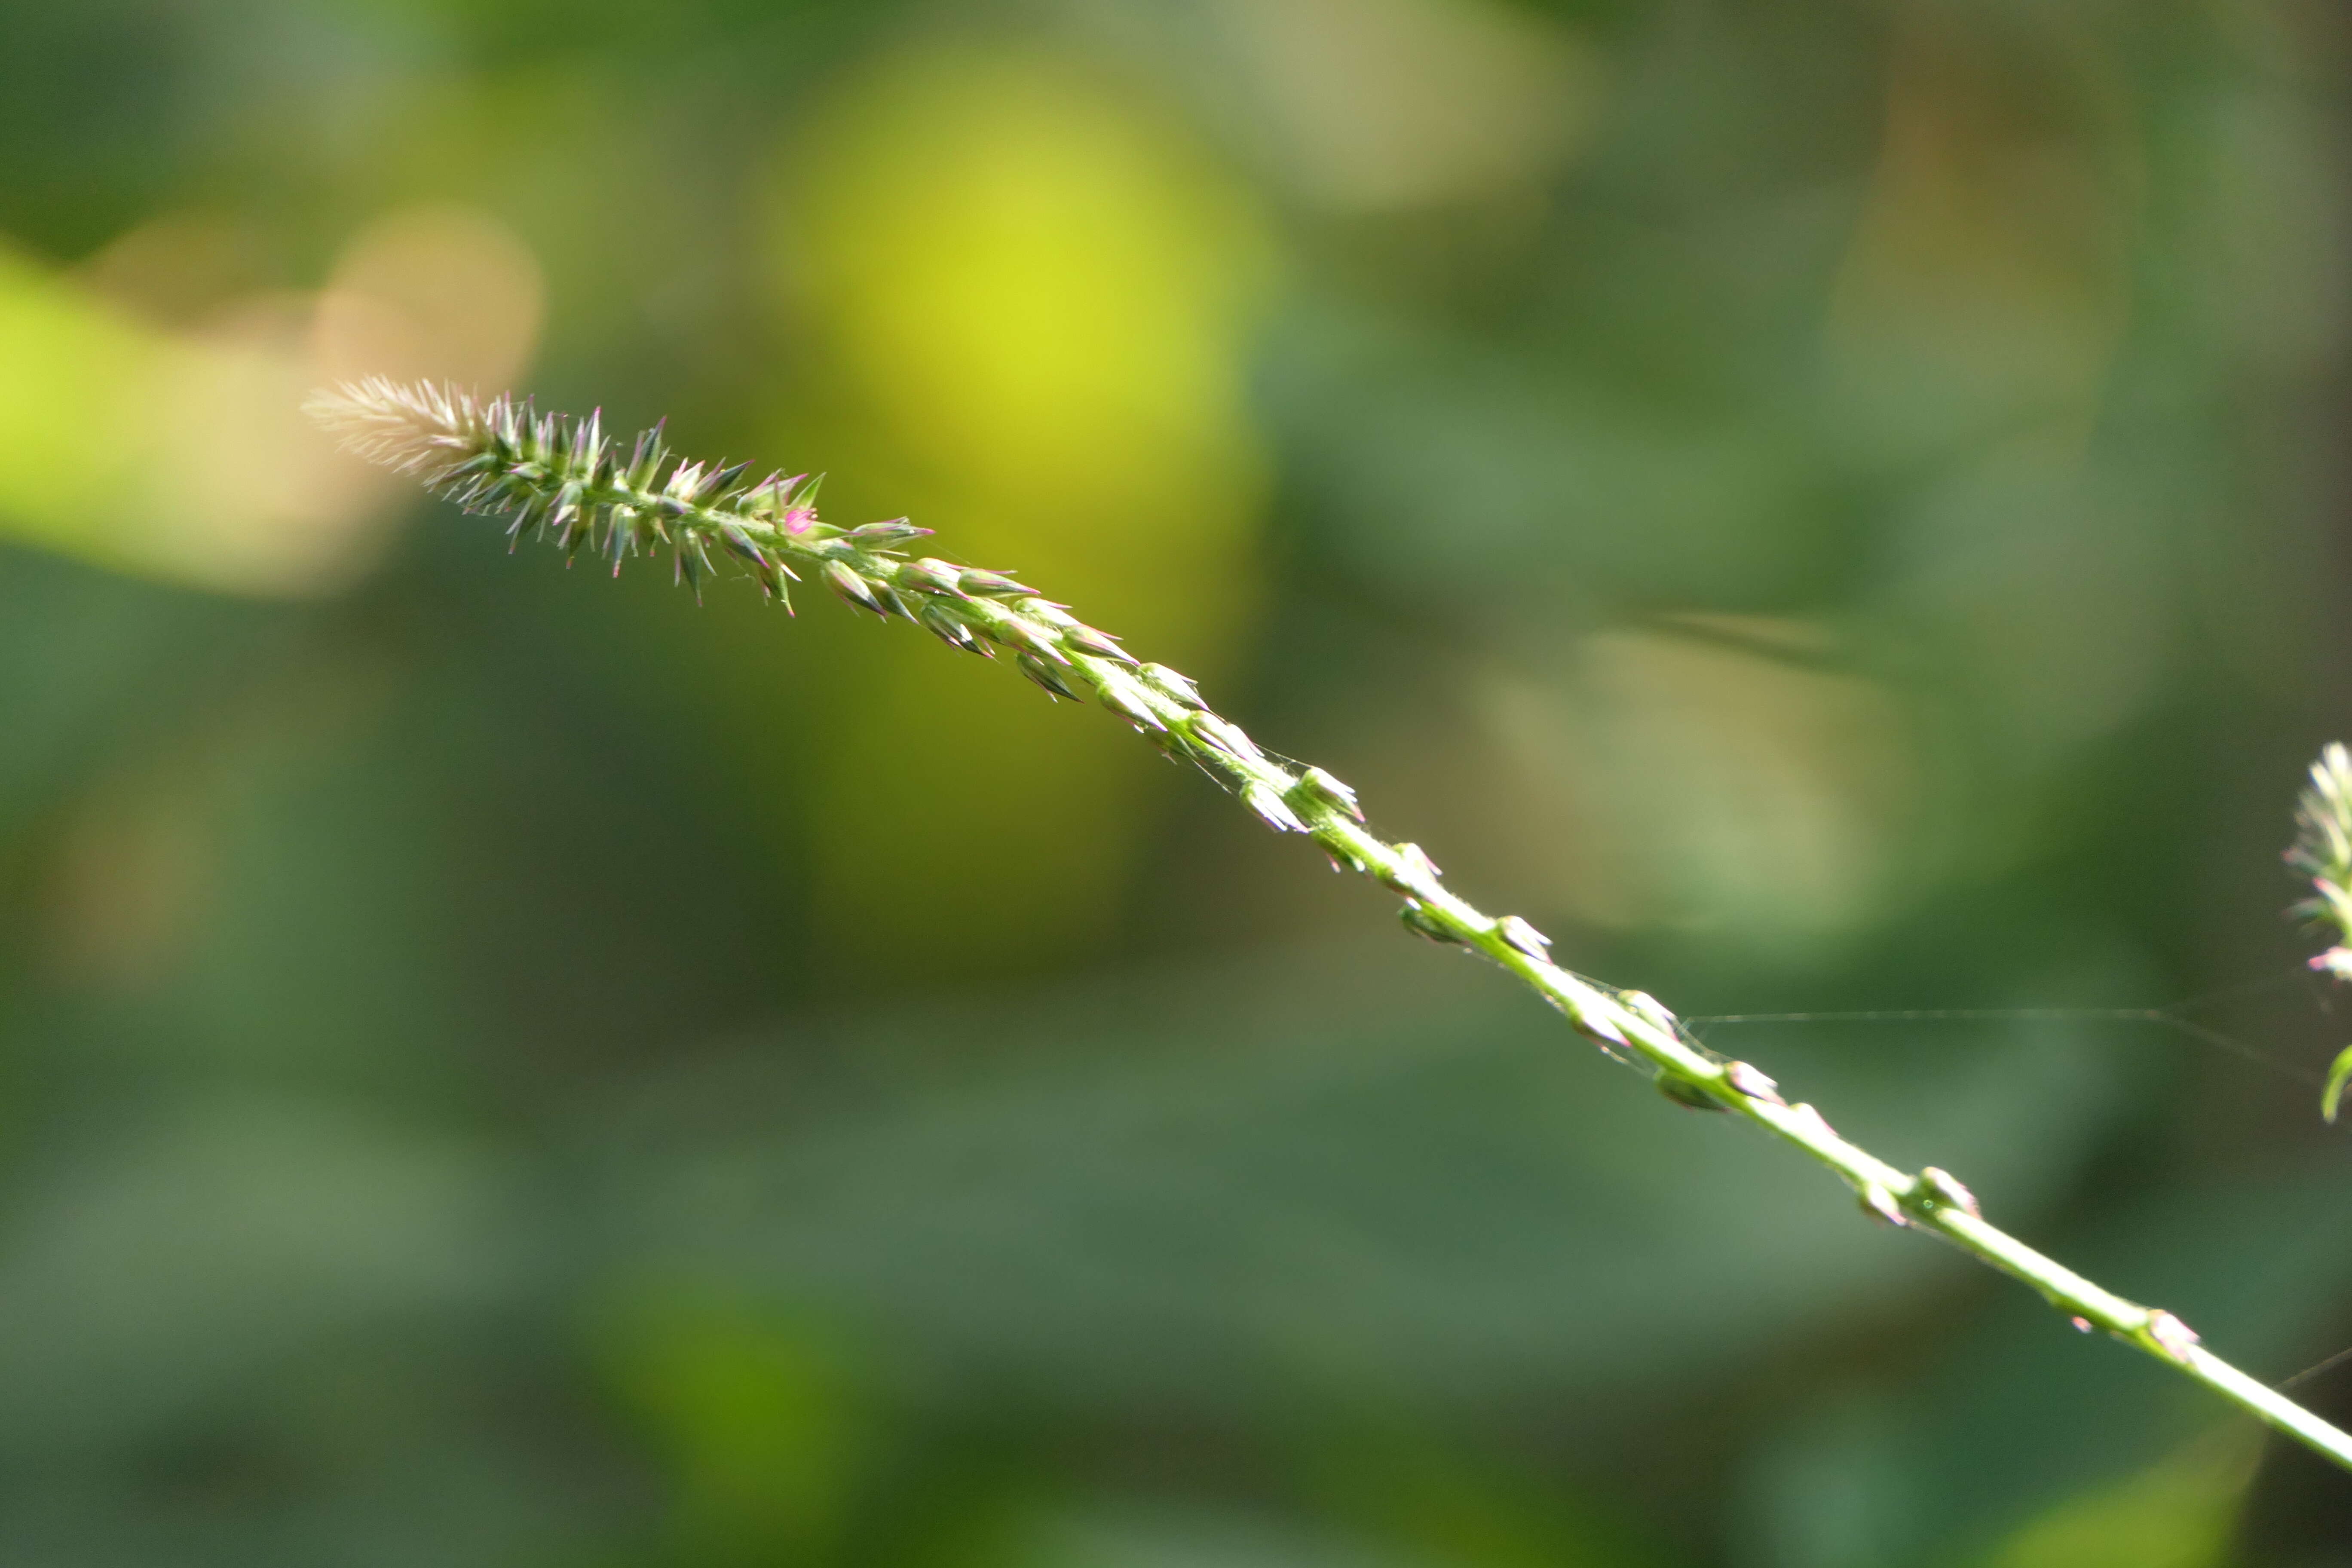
561,478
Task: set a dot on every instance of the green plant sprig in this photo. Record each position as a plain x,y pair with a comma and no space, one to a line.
563,479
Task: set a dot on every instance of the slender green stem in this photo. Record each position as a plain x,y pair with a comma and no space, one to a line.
561,478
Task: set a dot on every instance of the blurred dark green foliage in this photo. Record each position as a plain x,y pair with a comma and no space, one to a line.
1821,506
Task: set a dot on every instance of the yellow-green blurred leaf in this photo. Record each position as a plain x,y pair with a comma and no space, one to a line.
2179,1514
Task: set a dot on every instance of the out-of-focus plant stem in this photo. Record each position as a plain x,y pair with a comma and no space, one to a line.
562,477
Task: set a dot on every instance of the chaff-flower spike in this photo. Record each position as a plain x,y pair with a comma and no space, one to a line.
2322,852
492,456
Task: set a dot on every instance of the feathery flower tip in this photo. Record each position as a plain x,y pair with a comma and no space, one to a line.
426,430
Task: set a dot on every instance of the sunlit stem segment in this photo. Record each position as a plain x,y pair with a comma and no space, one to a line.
1631,1027
562,477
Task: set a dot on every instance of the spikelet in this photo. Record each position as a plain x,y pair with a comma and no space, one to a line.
2322,852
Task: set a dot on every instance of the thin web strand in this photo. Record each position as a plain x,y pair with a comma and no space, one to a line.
2339,1358
2170,1017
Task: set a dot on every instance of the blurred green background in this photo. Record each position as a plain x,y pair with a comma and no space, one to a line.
1833,504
